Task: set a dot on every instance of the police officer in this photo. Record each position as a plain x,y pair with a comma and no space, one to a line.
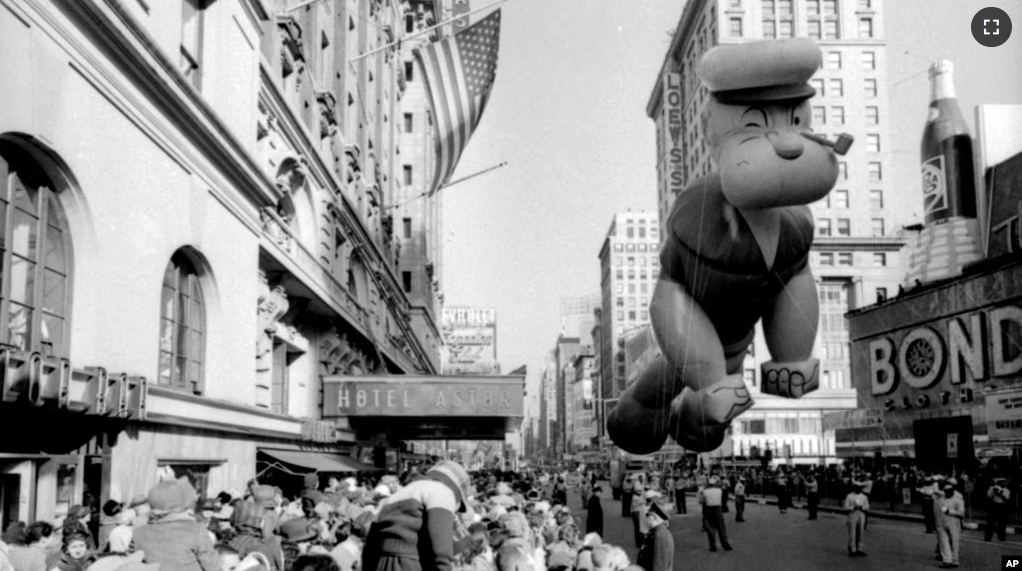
997,516
740,499
710,498
657,551
812,494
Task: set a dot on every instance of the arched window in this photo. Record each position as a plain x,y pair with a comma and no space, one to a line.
36,257
182,326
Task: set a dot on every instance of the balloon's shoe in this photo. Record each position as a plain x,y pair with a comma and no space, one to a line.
700,419
791,380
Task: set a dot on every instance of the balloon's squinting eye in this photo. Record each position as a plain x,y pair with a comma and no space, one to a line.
797,120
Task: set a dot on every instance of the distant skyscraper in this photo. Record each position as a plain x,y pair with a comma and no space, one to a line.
629,267
577,318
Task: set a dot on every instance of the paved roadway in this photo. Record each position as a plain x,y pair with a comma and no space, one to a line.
769,540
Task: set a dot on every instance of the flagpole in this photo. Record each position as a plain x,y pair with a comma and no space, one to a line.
443,186
425,30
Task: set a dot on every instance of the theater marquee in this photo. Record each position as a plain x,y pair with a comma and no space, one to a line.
423,396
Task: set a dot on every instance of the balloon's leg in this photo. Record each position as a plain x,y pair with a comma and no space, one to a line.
700,419
791,380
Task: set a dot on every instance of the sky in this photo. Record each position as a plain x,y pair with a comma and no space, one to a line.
568,115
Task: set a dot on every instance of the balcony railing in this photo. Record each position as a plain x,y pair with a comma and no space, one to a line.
275,229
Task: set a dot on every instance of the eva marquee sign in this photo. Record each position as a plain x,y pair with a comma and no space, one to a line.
949,356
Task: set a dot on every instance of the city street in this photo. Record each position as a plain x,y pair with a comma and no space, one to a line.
769,540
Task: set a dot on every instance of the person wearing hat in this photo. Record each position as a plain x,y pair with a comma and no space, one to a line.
856,503
740,499
657,550
997,512
311,489
710,498
736,251
249,523
173,538
638,506
414,529
626,495
953,508
927,490
594,512
77,520
107,521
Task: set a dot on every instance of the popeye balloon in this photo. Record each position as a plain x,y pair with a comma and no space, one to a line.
736,250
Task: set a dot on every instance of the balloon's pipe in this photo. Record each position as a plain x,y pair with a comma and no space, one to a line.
841,146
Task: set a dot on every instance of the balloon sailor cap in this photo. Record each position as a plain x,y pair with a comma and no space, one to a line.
761,72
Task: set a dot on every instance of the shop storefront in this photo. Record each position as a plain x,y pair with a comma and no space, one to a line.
940,371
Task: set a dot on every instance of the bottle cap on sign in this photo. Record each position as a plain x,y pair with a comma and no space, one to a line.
942,66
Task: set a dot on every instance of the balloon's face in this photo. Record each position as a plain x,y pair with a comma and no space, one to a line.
763,159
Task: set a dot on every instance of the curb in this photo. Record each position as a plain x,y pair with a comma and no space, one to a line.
971,525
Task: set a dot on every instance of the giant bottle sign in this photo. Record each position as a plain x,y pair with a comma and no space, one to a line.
949,188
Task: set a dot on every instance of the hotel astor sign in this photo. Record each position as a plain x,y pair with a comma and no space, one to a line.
944,361
419,395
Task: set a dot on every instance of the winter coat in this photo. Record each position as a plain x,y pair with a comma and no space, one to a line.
594,517
657,551
414,530
178,543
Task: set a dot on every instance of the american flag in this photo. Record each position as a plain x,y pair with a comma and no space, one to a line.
459,72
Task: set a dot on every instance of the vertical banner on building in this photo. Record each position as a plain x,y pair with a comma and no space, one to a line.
673,136
952,445
459,8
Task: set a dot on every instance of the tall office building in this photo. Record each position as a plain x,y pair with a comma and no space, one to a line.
629,266
857,254
577,317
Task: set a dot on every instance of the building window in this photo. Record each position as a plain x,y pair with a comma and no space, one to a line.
881,294
409,122
619,274
621,315
842,170
618,247
823,227
35,270
826,259
619,302
844,227
736,3
818,86
872,115
829,7
192,16
813,7
182,326
878,226
837,88
769,29
735,27
785,29
631,261
875,174
819,115
865,4
876,199
631,288
840,199
631,315
833,60
645,315
873,143
409,71
871,88
768,8
406,281
196,473
865,27
879,259
838,113
830,30
813,29
620,288
407,225
629,247
869,61
408,174
844,259
631,234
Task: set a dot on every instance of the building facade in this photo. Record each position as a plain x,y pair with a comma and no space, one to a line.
629,268
188,181
858,252
583,431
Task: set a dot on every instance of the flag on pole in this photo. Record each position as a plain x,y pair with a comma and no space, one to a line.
459,72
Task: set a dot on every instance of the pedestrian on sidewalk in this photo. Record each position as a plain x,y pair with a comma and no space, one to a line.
953,507
783,494
680,482
594,513
626,496
997,514
856,503
725,489
812,494
657,551
713,518
740,499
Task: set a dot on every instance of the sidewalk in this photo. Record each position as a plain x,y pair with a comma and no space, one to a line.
981,526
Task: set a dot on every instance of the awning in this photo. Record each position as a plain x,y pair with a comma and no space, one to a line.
320,461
